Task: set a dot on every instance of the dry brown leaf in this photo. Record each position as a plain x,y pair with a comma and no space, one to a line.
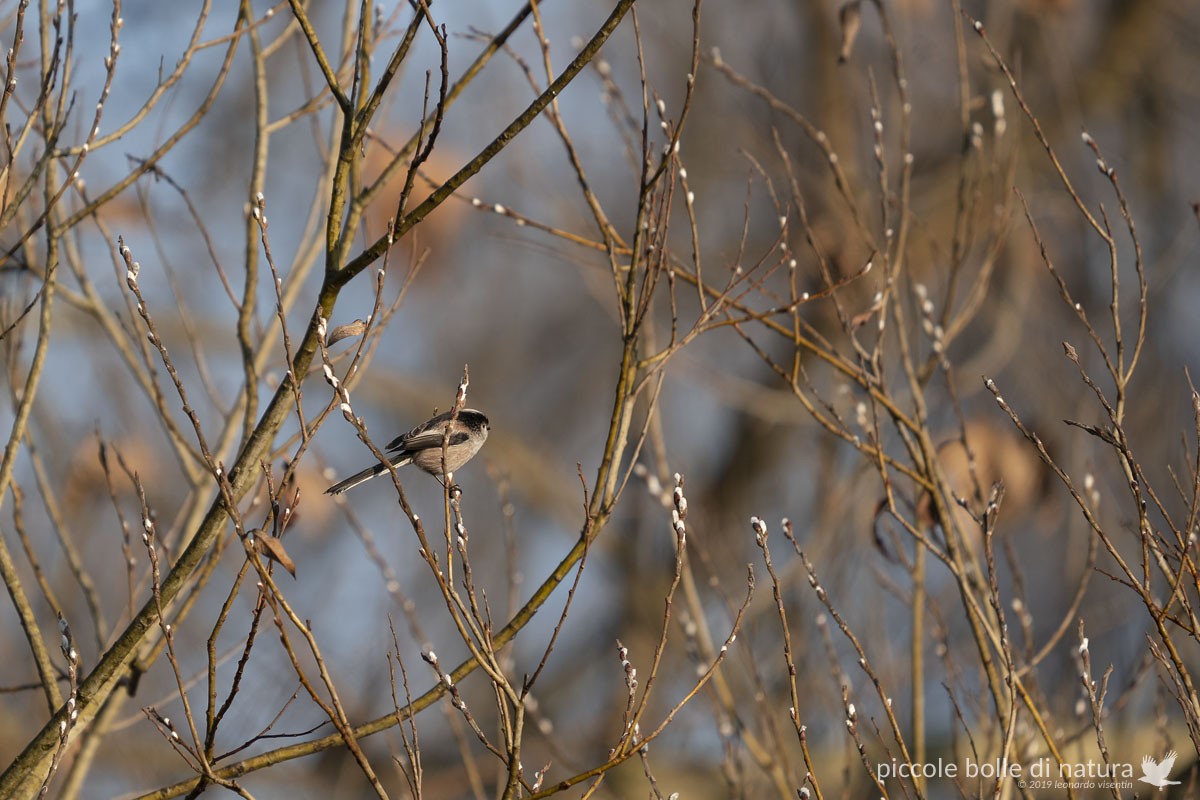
272,548
345,332
851,18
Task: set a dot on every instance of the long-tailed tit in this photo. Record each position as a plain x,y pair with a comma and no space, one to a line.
422,446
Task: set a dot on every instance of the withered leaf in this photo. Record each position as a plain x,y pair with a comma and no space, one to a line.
272,548
345,331
850,16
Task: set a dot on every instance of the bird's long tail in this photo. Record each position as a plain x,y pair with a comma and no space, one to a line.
373,471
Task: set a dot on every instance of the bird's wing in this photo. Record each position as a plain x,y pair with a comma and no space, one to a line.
403,441
426,435
1167,763
427,440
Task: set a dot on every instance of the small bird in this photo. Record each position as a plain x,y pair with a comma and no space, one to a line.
423,446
